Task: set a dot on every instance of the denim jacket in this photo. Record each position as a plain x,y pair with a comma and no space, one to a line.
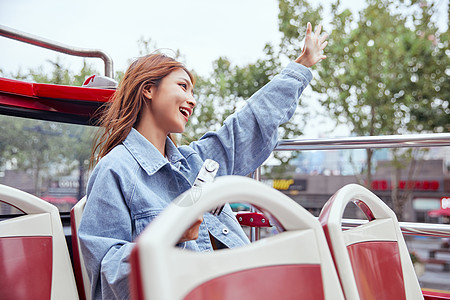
133,183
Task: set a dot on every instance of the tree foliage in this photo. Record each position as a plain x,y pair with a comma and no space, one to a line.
386,73
226,90
386,70
47,149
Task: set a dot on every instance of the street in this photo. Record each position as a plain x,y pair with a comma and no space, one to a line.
434,277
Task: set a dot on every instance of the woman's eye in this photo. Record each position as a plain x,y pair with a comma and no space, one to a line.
183,85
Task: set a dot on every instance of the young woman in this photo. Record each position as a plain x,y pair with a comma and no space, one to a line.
140,170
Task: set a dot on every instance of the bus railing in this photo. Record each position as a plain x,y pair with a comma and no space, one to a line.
367,142
408,228
58,47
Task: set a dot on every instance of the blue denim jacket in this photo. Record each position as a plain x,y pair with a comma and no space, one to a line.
133,183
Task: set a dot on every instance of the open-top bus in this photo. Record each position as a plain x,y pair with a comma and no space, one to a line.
298,247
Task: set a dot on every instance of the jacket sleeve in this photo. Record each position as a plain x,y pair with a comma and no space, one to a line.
248,136
106,234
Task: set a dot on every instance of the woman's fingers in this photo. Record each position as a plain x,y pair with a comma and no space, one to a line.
308,29
318,30
312,51
323,38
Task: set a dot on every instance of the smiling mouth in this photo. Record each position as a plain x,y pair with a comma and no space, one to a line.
185,112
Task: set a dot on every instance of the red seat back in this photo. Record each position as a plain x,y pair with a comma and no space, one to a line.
82,279
372,260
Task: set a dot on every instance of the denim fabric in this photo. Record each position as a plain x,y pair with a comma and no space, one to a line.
131,185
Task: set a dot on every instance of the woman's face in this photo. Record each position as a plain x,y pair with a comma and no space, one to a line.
172,102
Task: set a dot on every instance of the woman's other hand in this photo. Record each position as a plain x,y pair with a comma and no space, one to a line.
314,44
192,232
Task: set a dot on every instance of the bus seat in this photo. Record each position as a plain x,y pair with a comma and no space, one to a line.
81,276
34,257
294,264
372,259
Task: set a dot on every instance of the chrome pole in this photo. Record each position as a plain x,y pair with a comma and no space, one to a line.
408,228
255,232
365,142
59,47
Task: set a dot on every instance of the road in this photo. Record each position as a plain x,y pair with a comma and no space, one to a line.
434,277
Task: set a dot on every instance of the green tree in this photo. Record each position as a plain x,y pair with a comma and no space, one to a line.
37,149
226,90
6,140
385,71
429,62
48,148
405,165
77,145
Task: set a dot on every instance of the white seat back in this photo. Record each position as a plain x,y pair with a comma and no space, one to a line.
34,257
294,264
372,260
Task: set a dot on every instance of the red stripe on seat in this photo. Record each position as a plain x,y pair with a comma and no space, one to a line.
378,270
272,282
435,295
76,258
26,267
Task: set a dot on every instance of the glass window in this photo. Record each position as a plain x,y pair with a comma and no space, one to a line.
47,159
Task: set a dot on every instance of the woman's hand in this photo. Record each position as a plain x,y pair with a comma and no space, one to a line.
314,44
192,232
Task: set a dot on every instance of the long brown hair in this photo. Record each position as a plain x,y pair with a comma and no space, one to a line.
122,112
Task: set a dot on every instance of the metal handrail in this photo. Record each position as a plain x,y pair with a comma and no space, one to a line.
408,228
59,47
366,142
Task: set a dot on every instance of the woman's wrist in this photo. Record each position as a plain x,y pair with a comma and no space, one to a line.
303,61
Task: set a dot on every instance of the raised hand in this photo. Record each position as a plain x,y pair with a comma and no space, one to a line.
314,44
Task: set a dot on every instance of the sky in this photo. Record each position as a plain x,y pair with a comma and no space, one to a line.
203,30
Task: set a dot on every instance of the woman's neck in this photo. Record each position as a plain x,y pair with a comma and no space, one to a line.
153,135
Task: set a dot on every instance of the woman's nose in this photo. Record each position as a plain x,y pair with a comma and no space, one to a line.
191,101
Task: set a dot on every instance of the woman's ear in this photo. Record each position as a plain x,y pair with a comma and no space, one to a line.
147,93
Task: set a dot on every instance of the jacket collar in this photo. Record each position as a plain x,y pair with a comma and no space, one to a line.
146,154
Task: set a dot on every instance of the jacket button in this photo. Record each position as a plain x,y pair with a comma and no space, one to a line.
225,230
